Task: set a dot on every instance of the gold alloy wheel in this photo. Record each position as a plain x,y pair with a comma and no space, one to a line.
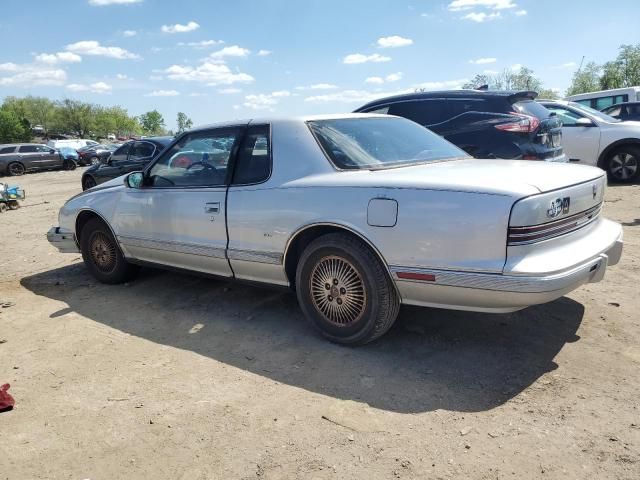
103,252
337,291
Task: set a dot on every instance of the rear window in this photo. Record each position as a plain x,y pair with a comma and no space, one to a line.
531,108
5,150
376,143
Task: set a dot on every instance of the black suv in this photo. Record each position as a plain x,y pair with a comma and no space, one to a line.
484,123
624,111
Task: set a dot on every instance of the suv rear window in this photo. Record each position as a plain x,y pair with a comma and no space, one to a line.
6,150
531,108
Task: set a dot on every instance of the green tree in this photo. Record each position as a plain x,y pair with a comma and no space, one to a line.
624,71
12,128
586,79
75,117
184,122
152,122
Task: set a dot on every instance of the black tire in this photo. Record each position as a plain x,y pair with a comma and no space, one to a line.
361,306
13,204
3,207
623,164
15,169
69,164
102,255
88,182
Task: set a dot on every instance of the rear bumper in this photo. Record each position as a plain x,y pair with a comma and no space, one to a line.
487,292
63,240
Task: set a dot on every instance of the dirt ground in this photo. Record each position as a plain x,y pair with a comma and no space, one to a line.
179,377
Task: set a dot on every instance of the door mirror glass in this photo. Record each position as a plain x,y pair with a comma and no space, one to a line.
134,180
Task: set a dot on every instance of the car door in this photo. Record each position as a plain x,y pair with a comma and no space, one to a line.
581,144
50,157
31,156
178,217
140,154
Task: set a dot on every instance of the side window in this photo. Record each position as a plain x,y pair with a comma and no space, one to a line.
43,149
199,159
121,152
254,157
458,107
614,111
4,151
424,112
28,149
567,117
141,150
381,110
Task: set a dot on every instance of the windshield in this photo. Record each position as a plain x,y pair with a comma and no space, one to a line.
594,112
385,142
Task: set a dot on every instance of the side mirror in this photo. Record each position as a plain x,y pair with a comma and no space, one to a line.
584,122
134,180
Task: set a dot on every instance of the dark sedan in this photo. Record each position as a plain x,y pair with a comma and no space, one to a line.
131,156
95,154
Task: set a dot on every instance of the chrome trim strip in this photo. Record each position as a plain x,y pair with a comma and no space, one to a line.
548,225
273,258
169,246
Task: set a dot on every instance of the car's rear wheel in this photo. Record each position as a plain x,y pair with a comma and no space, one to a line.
88,182
3,207
15,169
94,161
623,165
345,291
102,255
69,164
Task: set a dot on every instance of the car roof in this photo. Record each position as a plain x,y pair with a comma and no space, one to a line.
5,145
283,120
466,93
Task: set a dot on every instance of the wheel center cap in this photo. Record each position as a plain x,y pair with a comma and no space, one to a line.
335,292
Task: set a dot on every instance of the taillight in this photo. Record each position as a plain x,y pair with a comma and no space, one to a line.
526,124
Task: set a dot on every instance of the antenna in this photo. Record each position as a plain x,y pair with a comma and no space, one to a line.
581,62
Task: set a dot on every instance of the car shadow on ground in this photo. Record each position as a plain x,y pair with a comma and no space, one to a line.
431,359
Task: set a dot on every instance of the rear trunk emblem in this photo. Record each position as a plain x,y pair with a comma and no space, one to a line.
559,206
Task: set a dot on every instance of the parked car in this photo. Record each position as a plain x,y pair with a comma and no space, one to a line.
594,138
485,124
73,143
357,213
624,111
69,153
605,98
127,158
95,154
18,158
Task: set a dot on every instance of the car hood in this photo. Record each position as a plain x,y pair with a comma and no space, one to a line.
506,177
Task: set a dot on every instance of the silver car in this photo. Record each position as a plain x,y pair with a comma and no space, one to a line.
358,213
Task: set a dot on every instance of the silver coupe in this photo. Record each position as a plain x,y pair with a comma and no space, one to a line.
357,213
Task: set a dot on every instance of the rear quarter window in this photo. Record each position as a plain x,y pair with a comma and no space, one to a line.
531,108
424,112
6,150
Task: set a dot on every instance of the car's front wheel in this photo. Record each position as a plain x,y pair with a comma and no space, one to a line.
344,289
623,165
88,182
95,161
102,255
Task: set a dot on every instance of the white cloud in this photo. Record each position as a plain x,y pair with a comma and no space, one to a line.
31,75
483,61
60,57
163,93
318,86
98,87
229,91
92,47
355,58
490,72
209,73
444,85
374,80
394,41
481,16
521,13
102,3
515,67
566,65
201,44
179,28
129,33
231,51
121,76
457,5
264,101
393,77
264,53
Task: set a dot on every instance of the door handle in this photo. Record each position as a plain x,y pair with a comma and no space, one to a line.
213,207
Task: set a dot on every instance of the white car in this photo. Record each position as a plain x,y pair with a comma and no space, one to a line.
357,213
594,138
75,143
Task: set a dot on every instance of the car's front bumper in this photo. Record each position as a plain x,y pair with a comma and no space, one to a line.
63,240
490,292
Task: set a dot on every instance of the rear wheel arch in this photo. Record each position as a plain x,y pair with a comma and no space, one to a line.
307,234
606,153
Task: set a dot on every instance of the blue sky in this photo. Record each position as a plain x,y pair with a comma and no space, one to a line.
220,60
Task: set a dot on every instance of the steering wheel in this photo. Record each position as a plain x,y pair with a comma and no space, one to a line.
205,165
